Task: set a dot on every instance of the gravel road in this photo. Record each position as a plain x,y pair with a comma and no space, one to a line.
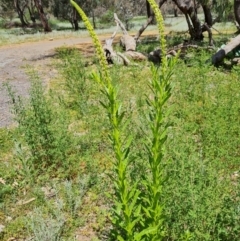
12,60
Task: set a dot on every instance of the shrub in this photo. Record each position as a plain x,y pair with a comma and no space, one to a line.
44,129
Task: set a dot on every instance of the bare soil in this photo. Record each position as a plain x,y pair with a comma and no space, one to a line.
37,55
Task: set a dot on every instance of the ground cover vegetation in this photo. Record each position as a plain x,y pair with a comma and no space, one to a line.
141,152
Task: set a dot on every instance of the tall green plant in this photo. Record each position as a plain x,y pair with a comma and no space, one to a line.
136,217
161,92
124,218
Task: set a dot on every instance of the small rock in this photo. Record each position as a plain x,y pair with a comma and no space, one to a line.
8,219
49,192
1,228
2,181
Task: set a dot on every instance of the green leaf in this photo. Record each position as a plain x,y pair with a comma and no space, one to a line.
119,238
150,230
104,105
133,202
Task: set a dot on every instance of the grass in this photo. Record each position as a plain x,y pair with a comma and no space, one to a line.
200,190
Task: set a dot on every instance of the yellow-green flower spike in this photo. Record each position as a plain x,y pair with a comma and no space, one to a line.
96,42
160,23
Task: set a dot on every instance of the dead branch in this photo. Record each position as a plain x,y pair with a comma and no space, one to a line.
209,34
127,41
126,61
144,26
222,53
108,49
117,20
136,56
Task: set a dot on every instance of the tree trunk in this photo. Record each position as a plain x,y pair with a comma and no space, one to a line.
75,21
161,2
42,15
31,14
148,9
221,54
20,13
237,11
188,8
207,15
208,23
150,13
93,19
175,11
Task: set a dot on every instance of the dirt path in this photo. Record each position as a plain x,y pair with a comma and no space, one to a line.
38,56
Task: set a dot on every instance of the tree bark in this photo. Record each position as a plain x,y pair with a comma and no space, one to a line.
75,21
144,26
93,19
175,9
207,15
205,26
42,15
221,54
208,22
20,13
31,14
237,11
150,13
148,9
188,8
161,2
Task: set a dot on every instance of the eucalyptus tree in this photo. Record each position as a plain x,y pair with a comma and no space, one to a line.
223,9
42,15
20,6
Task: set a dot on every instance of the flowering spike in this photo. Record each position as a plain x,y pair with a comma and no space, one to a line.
96,42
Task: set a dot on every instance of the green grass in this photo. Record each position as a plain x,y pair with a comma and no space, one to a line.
201,172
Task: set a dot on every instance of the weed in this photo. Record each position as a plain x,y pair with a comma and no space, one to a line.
127,209
44,130
45,227
74,195
5,140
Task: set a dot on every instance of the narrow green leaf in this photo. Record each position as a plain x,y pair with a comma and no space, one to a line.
119,238
134,200
150,230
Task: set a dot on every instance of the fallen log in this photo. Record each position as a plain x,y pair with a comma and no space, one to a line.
108,48
128,43
223,52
